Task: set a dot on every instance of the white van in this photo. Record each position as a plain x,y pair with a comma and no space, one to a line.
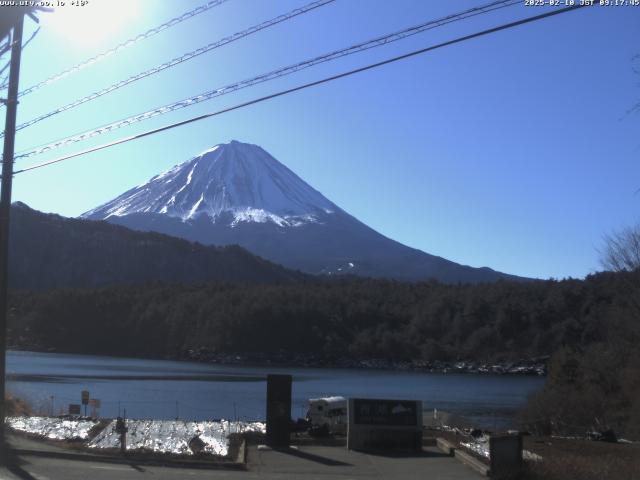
329,411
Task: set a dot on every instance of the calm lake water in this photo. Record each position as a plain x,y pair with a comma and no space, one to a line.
168,389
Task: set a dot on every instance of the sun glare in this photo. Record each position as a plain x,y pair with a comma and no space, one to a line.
90,23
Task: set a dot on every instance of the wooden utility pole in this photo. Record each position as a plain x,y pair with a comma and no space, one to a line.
5,206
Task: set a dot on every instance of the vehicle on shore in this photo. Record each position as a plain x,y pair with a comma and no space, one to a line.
329,413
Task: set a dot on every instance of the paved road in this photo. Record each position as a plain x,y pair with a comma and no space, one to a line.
308,462
337,462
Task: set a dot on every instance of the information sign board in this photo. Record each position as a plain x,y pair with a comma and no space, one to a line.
384,424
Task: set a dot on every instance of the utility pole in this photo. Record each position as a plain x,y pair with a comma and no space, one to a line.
5,207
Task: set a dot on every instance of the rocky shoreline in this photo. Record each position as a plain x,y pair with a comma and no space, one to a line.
531,366
526,366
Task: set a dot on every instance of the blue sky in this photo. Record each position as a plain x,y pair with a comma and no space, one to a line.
513,151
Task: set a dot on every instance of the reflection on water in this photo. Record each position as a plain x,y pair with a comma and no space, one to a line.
164,389
21,377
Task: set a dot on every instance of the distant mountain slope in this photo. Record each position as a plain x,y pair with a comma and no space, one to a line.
236,193
50,251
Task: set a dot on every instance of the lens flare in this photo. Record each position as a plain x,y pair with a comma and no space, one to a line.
89,23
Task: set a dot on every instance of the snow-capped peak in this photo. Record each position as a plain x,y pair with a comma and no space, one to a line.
231,178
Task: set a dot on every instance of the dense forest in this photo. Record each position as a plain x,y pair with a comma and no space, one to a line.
353,317
590,328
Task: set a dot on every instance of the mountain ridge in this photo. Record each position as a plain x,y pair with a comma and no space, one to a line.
237,193
50,251
238,178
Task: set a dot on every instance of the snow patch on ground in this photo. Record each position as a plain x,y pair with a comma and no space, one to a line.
160,436
193,210
173,436
53,428
480,446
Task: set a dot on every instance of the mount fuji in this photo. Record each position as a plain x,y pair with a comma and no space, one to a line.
237,193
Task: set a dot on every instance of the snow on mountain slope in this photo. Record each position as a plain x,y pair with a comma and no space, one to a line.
236,193
233,178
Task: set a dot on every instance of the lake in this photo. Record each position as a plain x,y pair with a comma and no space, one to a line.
163,389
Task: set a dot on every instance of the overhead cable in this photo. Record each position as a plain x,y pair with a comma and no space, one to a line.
305,86
178,60
127,43
376,42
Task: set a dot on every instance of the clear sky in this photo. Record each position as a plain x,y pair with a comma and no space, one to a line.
513,151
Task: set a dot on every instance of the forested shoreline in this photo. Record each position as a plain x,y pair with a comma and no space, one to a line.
589,328
353,318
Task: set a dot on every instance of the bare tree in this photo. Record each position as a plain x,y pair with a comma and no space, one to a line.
622,250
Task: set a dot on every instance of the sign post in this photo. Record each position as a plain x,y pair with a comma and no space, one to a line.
85,400
94,403
121,429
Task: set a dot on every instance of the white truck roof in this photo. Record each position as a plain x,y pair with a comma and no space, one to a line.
329,400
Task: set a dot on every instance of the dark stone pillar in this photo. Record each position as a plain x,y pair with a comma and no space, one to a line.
505,453
278,410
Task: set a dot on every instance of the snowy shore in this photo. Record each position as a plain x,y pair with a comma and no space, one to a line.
157,436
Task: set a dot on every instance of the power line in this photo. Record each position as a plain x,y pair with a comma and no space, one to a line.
178,60
127,43
6,47
373,43
5,82
307,85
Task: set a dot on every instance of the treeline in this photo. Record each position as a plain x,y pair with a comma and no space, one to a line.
350,318
590,327
595,386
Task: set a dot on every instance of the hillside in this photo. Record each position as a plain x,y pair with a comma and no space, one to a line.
49,251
